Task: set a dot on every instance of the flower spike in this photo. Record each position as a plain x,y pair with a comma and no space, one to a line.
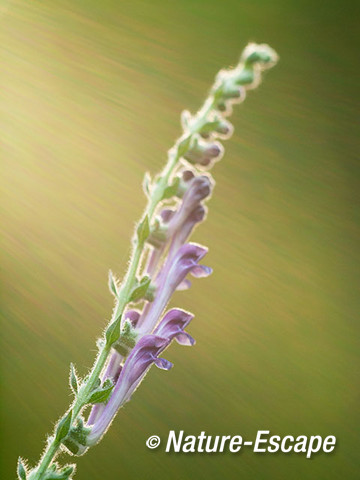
160,263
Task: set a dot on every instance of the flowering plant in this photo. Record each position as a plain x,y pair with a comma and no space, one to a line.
161,260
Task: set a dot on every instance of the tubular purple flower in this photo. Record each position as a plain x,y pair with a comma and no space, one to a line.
143,355
173,325
176,268
197,189
177,225
191,211
180,236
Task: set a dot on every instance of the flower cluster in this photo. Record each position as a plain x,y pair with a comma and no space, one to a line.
171,259
162,260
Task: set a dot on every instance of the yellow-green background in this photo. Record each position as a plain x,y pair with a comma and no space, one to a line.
91,97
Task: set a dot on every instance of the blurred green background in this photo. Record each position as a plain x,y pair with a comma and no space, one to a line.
91,97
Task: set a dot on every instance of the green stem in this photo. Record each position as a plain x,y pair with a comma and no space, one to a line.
47,458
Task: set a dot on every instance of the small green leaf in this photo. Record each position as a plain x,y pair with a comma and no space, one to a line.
147,184
185,119
209,127
143,230
113,332
183,145
63,427
21,470
101,395
63,474
140,290
74,384
171,190
67,471
112,284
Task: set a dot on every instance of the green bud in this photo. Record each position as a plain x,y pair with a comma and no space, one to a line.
256,57
246,76
260,54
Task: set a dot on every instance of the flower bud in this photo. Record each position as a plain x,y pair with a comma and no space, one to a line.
248,76
185,177
224,128
203,153
260,54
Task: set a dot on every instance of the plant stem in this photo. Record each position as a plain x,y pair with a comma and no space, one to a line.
50,452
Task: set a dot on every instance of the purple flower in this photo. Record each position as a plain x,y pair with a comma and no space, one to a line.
177,225
172,274
190,212
173,325
182,233
144,354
